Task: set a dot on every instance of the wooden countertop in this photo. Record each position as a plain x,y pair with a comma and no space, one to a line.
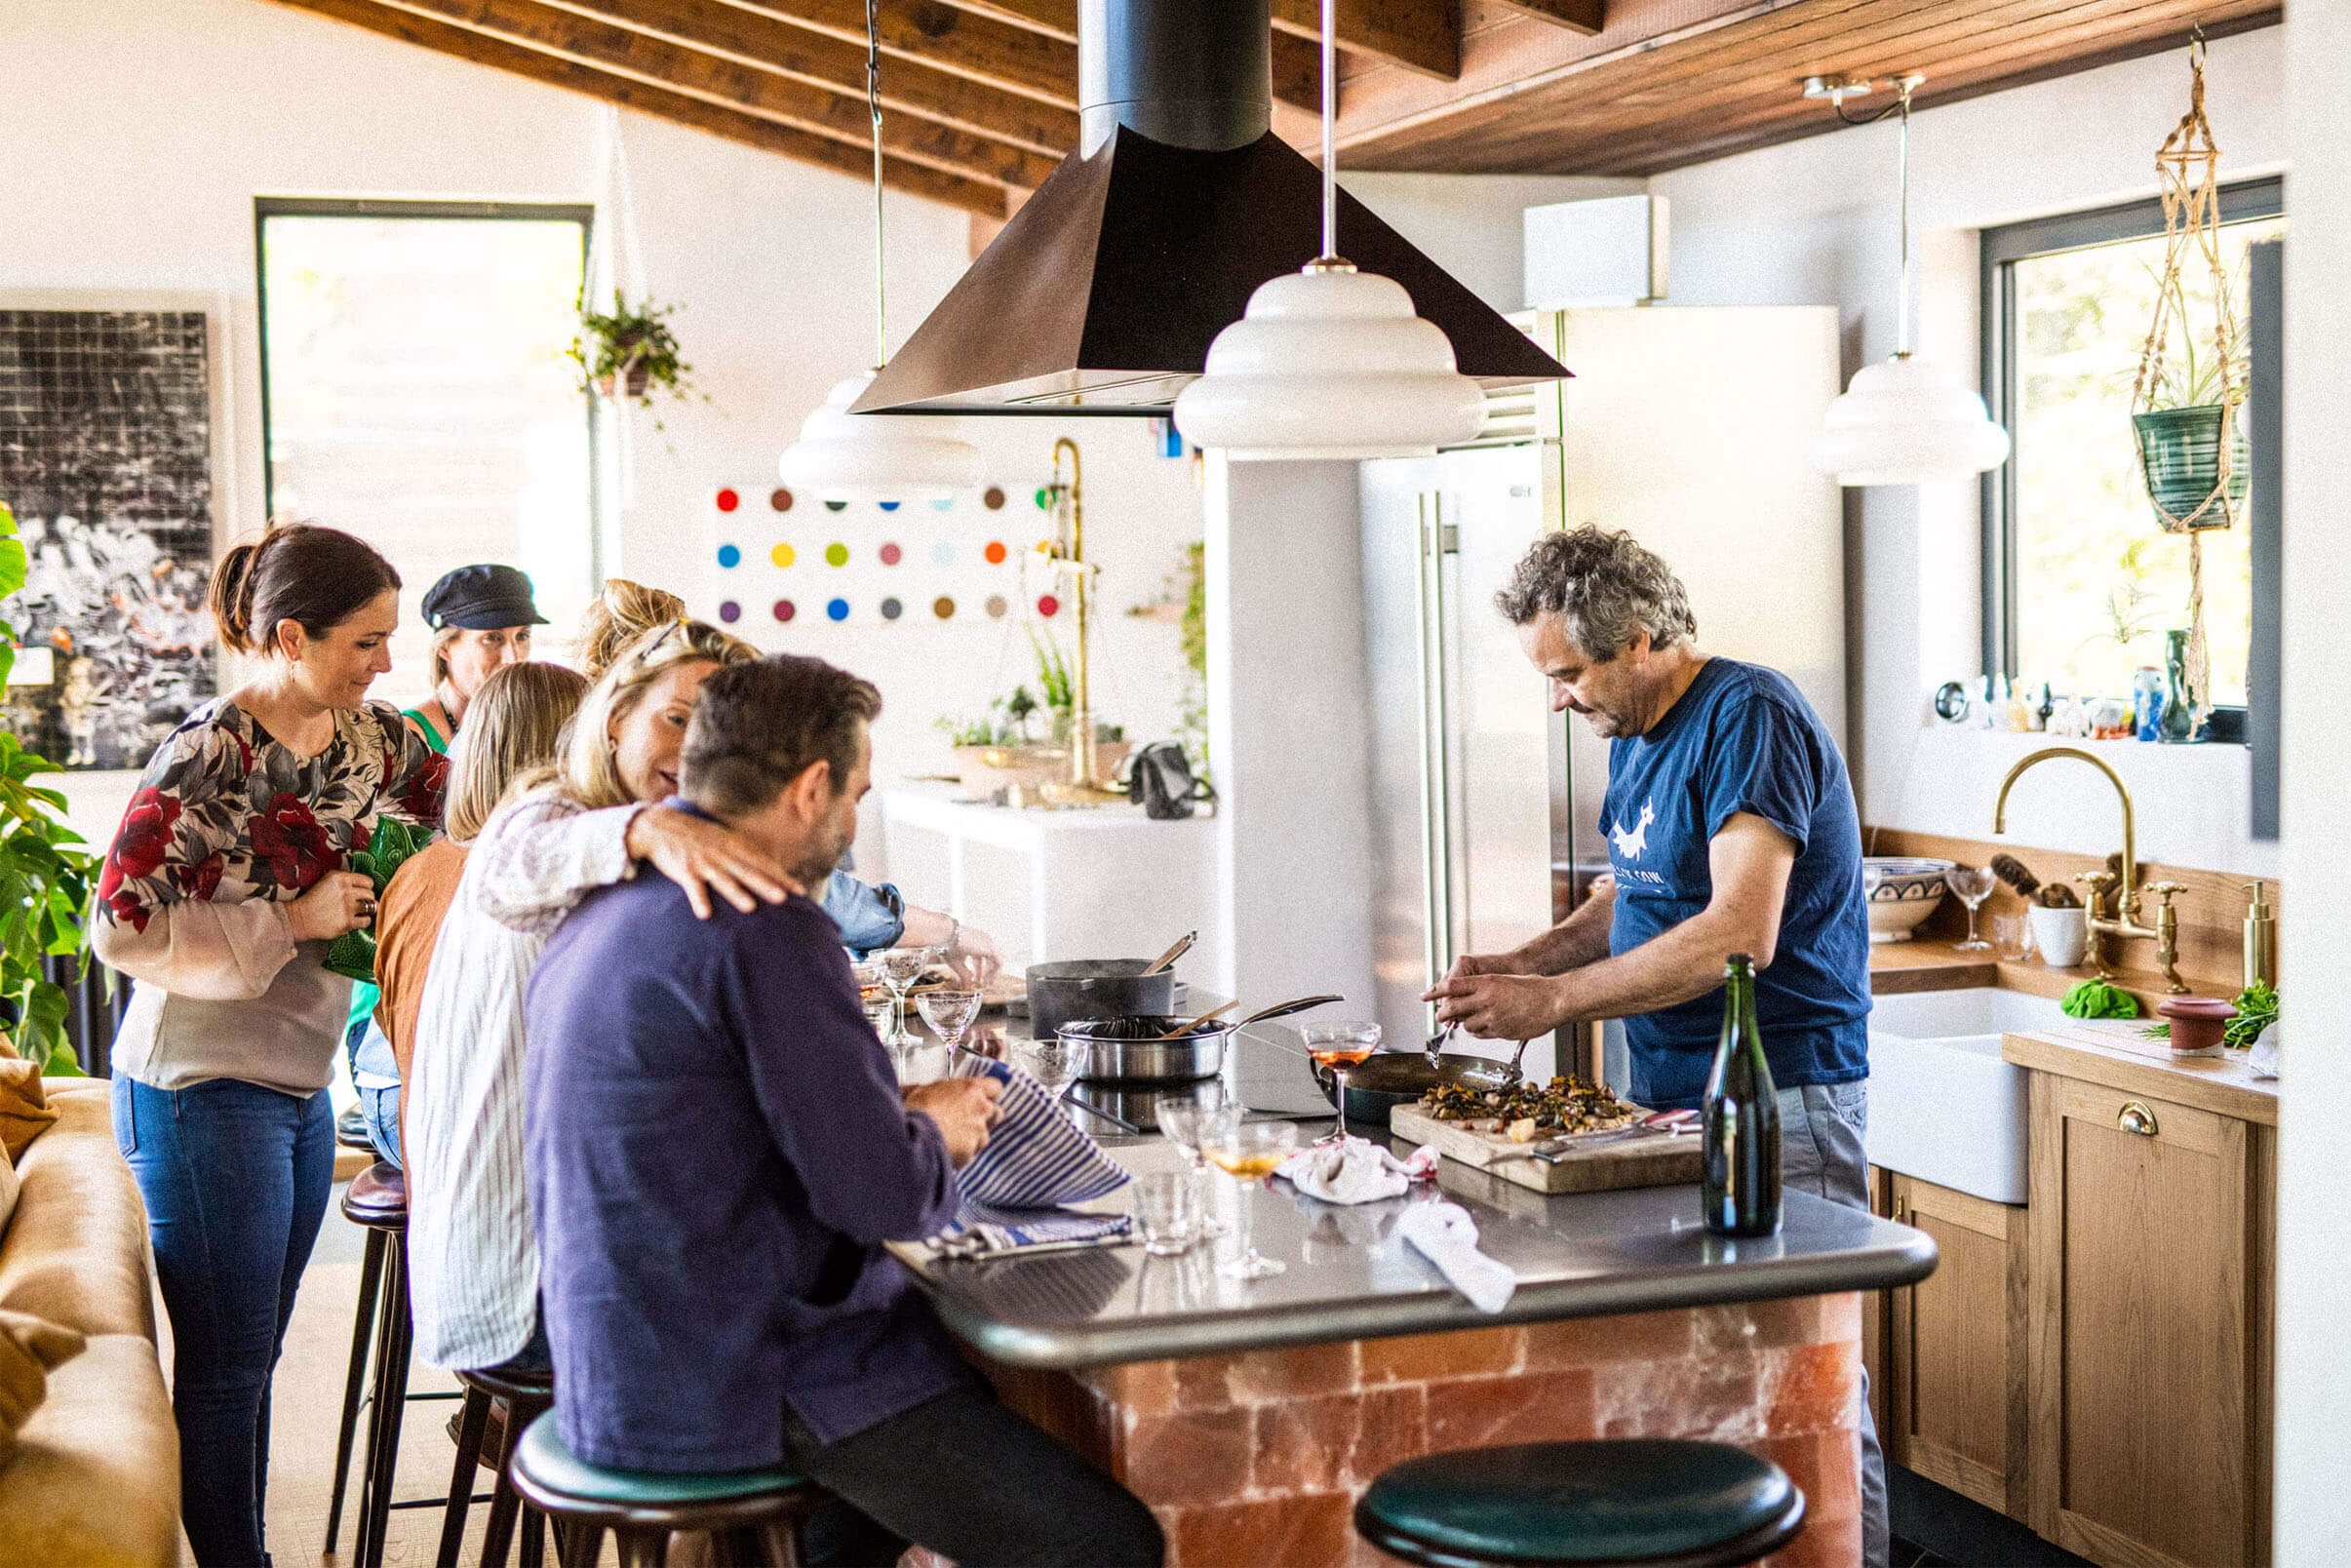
2116,1054
1899,967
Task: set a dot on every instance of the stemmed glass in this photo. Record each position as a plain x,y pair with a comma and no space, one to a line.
949,1013
1249,1152
1973,884
1184,1115
1336,1047
901,967
1054,1064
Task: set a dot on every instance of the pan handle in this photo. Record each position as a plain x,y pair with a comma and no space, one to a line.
1283,1010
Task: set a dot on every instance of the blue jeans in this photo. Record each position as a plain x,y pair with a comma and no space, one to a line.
381,1109
235,1178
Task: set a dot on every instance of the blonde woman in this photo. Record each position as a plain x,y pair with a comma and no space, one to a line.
517,719
871,915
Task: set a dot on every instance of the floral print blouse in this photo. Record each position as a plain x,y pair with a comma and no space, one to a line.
229,826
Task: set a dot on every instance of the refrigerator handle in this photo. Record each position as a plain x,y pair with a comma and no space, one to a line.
1436,742
1429,802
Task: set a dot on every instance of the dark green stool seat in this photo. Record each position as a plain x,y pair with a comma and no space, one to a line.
643,1507
1656,1503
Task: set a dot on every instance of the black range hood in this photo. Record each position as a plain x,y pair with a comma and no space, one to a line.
1102,294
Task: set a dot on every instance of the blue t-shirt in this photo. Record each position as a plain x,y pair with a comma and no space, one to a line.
1743,738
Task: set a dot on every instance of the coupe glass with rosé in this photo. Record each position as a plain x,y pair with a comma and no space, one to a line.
1249,1152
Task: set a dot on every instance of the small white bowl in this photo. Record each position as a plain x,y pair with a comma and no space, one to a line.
1902,891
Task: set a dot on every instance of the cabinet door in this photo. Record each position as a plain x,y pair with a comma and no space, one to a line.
1875,1330
2144,1293
1959,1382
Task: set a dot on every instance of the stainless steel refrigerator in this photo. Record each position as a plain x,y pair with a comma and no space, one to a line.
1692,428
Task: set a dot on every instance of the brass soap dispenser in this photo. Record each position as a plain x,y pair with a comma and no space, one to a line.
2261,940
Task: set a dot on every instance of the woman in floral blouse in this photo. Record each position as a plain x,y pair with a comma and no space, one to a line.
227,879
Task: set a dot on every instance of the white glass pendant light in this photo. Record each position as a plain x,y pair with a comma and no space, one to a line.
1905,422
1329,362
844,457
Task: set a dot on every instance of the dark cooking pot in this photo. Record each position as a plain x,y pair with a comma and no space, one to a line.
1063,992
1386,1079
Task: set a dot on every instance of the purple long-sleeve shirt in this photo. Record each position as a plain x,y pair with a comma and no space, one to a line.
716,1148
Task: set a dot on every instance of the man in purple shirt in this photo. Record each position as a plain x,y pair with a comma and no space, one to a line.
718,1148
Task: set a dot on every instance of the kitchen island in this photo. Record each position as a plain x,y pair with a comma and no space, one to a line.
1251,1414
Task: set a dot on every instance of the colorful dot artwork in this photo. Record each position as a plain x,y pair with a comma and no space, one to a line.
994,499
780,500
945,503
837,506
943,607
942,554
838,610
728,501
1044,497
997,606
785,610
1048,605
994,552
891,555
729,611
889,506
891,609
783,555
729,557
836,554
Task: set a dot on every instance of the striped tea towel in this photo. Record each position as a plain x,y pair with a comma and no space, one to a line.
979,1232
1035,1157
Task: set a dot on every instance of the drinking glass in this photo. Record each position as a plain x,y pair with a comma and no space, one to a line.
901,967
1054,1064
1183,1116
1337,1046
1249,1152
1973,884
2012,935
1167,1209
949,1013
873,993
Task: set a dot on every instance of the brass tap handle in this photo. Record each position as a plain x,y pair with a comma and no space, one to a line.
2165,889
2101,888
2167,933
2100,899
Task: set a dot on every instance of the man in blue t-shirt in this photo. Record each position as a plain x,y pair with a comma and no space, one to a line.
1730,829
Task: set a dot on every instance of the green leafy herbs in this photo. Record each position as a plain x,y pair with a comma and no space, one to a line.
45,880
2095,999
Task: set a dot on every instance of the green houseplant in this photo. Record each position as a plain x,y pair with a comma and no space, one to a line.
629,353
2194,416
45,880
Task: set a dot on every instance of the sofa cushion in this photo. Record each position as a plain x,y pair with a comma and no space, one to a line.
77,1250
25,1110
31,1349
95,1482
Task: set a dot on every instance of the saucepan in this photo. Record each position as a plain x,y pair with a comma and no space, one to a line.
1156,1048
1095,988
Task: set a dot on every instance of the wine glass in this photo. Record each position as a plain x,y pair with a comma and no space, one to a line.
1184,1115
1337,1046
901,967
1973,884
949,1013
1248,1152
1054,1064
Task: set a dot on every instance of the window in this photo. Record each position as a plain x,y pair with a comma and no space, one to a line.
2080,583
415,391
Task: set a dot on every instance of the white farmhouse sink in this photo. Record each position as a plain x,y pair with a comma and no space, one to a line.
1943,1106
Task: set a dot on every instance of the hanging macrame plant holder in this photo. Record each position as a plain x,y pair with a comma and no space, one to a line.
2187,416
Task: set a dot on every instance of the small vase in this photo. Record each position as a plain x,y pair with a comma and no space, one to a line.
2061,934
2184,720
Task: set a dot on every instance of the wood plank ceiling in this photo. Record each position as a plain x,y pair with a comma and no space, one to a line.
981,95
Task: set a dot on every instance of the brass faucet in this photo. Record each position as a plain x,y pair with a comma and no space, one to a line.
2115,902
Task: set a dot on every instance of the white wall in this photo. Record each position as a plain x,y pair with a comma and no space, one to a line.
1470,225
139,131
2314,1228
1812,222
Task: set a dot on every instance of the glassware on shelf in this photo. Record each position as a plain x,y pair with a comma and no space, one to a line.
1337,1046
949,1013
1973,884
2012,935
901,967
1249,1152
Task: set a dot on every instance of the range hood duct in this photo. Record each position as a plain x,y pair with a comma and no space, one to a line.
1102,294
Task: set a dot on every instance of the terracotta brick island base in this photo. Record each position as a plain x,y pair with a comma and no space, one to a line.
1257,1458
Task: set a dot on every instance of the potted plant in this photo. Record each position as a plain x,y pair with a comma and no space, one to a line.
2192,419
45,880
629,353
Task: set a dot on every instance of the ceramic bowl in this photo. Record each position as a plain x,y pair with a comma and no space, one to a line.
1902,891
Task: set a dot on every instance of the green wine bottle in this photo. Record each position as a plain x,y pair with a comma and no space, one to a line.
1740,1119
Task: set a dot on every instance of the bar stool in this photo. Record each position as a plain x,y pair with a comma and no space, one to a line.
522,1397
644,1507
1615,1503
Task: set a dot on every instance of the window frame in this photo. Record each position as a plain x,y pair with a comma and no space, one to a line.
2001,248
583,213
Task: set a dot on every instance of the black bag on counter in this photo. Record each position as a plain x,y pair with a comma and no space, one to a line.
1160,780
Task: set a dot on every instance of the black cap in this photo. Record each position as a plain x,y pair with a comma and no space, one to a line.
481,599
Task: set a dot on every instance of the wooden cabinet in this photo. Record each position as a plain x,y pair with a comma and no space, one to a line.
1957,1394
2149,1284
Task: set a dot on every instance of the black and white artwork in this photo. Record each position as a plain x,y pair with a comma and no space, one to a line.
105,457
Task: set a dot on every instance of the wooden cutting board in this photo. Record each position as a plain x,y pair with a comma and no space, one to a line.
1659,1161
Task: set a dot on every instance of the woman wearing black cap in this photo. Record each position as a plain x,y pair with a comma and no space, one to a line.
481,618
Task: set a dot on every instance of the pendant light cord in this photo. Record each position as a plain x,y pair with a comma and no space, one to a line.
1330,130
873,103
1902,336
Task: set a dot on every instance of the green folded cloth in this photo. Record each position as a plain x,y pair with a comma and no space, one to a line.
390,843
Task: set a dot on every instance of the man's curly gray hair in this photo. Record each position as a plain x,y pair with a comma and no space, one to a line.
1605,586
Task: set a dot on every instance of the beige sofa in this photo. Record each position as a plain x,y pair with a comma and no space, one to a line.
94,1482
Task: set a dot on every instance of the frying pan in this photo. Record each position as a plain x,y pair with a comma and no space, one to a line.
1386,1079
1128,1049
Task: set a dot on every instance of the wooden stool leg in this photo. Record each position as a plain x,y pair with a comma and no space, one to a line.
392,1384
534,1538
471,1425
505,1501
371,1277
643,1548
582,1542
370,1459
781,1538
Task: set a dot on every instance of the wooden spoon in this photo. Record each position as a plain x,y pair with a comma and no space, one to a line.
1188,1027
1166,961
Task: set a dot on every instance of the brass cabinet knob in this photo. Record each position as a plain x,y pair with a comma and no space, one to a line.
2137,1118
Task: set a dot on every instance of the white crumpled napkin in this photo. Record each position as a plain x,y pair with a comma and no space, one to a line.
2266,1053
1446,1236
1355,1171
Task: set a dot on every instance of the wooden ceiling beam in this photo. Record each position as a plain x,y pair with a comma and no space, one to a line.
962,43
908,87
480,49
1423,36
658,62
1586,17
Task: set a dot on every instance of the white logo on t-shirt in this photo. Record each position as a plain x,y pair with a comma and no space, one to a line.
1632,844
